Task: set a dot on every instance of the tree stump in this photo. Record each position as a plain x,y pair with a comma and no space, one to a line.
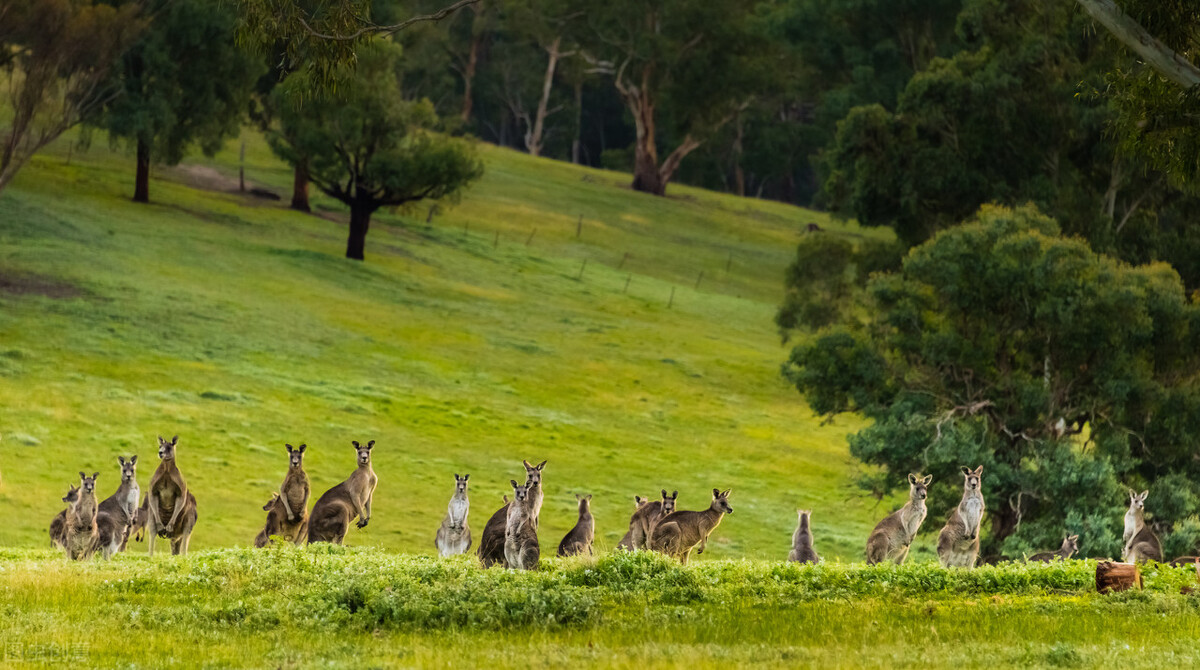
1111,576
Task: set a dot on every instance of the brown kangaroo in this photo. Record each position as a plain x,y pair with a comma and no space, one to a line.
81,533
626,542
1069,546
802,541
171,506
521,550
454,535
116,513
579,539
892,537
958,543
293,498
275,515
331,516
491,540
680,531
58,525
648,516
1141,544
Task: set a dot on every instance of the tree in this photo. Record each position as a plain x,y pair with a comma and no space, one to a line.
695,61
184,83
369,147
58,54
1065,373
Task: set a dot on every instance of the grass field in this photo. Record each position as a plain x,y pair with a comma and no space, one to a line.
463,345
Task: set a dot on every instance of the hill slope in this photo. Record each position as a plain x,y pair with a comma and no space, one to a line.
463,345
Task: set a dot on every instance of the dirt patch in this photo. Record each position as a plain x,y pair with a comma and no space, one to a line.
209,179
18,284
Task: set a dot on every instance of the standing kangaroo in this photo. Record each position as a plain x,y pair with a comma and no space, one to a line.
1069,546
626,542
275,514
958,543
802,541
330,518
454,535
1141,544
680,531
894,535
58,526
171,506
292,524
116,513
647,517
491,541
81,533
579,539
521,550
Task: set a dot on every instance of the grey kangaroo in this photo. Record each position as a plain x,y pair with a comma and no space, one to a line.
680,531
1141,544
802,541
579,539
894,535
171,506
491,541
958,543
454,535
331,516
116,513
58,526
626,542
521,550
1069,546
647,517
290,522
81,532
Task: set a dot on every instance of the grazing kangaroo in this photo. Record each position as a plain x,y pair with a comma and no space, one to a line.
802,541
293,498
579,539
680,531
116,513
647,517
58,525
958,543
1069,546
330,518
491,541
894,535
454,535
1141,544
521,550
626,542
171,506
81,520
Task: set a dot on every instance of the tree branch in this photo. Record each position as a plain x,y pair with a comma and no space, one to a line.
387,30
1168,63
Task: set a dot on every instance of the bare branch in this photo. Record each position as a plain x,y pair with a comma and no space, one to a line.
373,29
1162,58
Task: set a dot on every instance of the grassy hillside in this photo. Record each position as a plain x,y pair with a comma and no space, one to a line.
463,345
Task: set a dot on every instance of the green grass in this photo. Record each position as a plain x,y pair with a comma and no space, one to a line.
237,324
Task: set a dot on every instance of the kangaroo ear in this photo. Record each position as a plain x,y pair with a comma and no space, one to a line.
133,459
726,492
912,479
370,445
1074,538
965,470
578,497
589,497
979,471
505,498
928,478
674,494
303,447
637,500
664,492
174,440
513,482
716,493
95,475
541,465
1143,494
288,447
527,464
82,476
121,460
355,443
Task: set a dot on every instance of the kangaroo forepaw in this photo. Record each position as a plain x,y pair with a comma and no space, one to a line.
362,523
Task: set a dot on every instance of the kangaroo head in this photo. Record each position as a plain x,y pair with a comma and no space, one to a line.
520,491
918,486
1070,545
86,483
271,503
720,501
972,478
72,496
533,473
296,456
166,448
364,452
668,502
460,483
585,503
1137,500
638,501
128,468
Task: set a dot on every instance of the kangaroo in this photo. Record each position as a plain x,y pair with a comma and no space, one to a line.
491,541
81,533
958,543
171,506
1069,546
331,516
116,513
647,517
579,539
275,514
521,550
1141,544
293,498
454,535
680,531
58,525
802,541
533,481
894,535
626,542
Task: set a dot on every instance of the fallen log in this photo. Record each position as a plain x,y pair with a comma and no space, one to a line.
1112,576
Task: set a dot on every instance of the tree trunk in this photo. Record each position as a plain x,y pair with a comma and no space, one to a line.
360,220
739,175
300,187
533,138
1117,577
141,187
1168,63
468,75
577,143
